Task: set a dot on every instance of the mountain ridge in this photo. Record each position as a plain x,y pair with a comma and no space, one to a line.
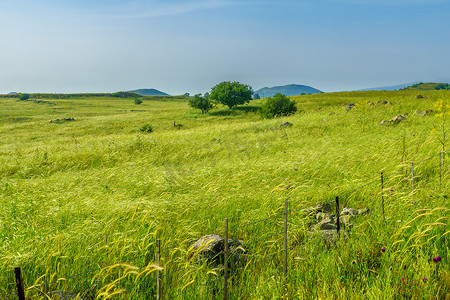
287,90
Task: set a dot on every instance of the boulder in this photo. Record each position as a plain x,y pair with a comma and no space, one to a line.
212,246
348,214
382,102
350,106
420,97
285,124
370,103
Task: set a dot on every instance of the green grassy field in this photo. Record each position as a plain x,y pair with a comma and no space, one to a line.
80,195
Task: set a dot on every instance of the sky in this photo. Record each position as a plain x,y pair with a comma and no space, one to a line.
68,46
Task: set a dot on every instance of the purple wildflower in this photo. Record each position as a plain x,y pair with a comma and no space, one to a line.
425,280
437,259
383,249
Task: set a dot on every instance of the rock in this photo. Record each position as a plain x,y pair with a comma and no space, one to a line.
370,103
420,97
388,104
285,124
320,216
382,102
328,224
348,214
211,247
331,113
349,106
397,119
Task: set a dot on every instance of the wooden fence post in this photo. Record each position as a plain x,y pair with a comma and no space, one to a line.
225,263
440,170
338,225
285,244
382,195
412,179
158,272
19,284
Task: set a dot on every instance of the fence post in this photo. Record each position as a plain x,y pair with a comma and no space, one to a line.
225,263
158,272
338,225
440,170
382,195
412,179
285,246
19,284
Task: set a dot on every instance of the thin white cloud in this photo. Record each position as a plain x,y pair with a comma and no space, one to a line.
141,9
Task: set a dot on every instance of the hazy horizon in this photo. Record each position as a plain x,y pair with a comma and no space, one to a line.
188,46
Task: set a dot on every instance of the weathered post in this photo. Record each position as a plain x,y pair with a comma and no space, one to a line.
225,263
158,272
412,179
19,284
285,246
382,195
440,170
338,225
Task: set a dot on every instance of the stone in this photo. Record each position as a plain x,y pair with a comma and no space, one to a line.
331,113
370,103
211,247
348,214
285,124
350,106
423,113
398,118
382,102
420,97
388,104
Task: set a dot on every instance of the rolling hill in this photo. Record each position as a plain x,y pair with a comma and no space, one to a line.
149,92
288,90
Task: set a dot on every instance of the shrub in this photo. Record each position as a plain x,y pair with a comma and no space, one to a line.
147,128
201,103
24,97
137,101
125,95
278,105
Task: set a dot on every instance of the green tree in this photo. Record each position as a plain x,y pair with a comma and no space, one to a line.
256,96
231,94
201,103
278,105
24,96
137,101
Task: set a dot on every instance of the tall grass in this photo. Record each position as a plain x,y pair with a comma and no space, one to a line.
82,195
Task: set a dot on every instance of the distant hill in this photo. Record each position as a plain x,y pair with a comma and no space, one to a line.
149,92
389,87
288,90
427,86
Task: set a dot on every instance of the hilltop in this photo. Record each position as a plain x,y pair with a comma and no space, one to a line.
428,86
149,92
288,90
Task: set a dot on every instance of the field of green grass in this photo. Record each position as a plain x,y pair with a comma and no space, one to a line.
78,196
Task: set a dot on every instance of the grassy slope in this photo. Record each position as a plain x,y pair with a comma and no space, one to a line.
94,191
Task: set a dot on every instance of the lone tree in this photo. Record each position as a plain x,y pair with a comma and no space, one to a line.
24,96
256,96
201,103
231,93
278,105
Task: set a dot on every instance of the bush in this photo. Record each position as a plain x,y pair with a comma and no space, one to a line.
201,103
137,101
442,86
24,97
147,128
278,105
125,95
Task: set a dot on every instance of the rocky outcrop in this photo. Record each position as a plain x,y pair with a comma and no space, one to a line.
285,124
350,106
394,120
211,248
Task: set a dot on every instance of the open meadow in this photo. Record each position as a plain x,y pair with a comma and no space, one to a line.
83,201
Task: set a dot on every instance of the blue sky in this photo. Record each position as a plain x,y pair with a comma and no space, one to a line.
189,46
